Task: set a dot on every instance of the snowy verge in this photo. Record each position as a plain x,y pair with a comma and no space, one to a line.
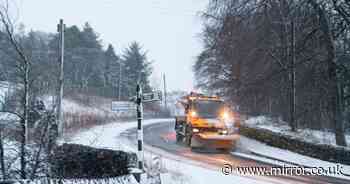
128,179
306,135
280,157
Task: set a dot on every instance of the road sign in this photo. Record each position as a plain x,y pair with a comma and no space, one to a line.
123,106
150,97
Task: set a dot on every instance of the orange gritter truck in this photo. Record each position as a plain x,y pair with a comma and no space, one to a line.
207,122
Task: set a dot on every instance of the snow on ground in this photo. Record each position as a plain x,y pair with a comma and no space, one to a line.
313,136
3,91
284,156
4,88
6,118
128,179
73,107
107,136
308,135
11,156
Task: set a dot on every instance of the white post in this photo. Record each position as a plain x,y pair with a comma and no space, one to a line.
120,80
139,131
165,93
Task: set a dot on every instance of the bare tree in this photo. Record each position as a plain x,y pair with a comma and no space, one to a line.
255,50
23,67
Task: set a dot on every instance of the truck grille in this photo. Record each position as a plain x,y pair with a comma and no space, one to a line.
209,129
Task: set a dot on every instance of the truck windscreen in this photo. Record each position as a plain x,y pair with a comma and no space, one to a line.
208,109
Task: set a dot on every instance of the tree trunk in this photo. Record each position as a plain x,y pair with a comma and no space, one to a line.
2,158
292,80
25,135
43,136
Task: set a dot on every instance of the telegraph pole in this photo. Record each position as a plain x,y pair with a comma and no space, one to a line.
120,80
165,92
139,131
59,118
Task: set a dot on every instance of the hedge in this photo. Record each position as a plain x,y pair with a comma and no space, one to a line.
77,161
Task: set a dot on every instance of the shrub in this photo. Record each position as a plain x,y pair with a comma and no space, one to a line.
77,161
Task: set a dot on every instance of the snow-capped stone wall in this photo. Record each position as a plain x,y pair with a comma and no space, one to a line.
324,152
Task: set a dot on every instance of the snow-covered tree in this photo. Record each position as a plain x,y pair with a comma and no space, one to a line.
136,68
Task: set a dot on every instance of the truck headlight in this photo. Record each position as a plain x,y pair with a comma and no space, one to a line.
223,132
193,114
225,115
195,130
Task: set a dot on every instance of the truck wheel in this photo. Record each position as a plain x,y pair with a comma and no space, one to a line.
225,150
188,136
188,140
179,138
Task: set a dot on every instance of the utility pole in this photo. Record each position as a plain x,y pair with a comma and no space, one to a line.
120,80
59,118
139,131
165,92
292,78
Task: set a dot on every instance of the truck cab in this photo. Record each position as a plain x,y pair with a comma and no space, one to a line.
208,122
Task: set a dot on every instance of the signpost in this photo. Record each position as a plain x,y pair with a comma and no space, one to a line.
139,112
136,103
151,97
140,98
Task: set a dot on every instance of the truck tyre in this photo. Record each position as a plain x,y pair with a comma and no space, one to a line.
179,138
188,140
225,150
188,136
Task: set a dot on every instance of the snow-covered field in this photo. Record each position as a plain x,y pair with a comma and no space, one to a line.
307,135
73,107
95,111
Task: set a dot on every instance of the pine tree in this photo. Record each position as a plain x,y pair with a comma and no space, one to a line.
90,38
111,71
84,58
136,68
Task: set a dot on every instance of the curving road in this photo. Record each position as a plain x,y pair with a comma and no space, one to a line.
162,137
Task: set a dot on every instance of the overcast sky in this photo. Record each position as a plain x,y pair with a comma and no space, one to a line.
167,29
